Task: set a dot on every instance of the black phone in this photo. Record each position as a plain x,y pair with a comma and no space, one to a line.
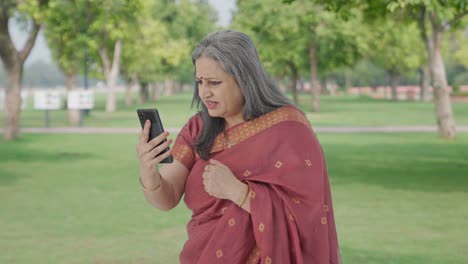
156,127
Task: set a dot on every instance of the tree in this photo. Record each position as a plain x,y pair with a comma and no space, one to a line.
110,22
273,28
33,13
187,22
64,31
310,32
395,47
435,18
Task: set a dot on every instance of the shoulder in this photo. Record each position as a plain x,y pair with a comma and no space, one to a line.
286,115
193,126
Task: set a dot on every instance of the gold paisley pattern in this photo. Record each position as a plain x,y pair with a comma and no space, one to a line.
278,164
324,220
253,256
183,154
261,227
251,128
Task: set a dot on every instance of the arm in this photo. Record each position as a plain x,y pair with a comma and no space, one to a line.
220,182
162,188
168,192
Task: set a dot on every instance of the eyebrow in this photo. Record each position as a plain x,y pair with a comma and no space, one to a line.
205,78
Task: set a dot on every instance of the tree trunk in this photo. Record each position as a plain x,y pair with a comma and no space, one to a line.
111,72
177,87
144,92
11,115
293,81
13,61
315,88
131,83
156,91
443,105
394,80
70,84
347,79
425,83
323,86
168,87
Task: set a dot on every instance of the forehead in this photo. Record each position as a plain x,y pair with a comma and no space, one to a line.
208,68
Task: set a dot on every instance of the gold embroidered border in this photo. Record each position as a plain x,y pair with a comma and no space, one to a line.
253,256
251,128
183,154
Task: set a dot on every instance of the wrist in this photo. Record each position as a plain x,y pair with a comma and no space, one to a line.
242,194
151,184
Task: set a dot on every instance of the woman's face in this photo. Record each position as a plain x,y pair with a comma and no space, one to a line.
219,91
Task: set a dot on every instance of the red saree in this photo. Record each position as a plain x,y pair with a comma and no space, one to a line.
291,218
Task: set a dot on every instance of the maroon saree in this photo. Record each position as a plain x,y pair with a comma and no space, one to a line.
291,218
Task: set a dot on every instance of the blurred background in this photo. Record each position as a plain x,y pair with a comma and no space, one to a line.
384,83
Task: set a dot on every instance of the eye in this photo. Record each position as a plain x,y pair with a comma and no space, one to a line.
214,83
199,82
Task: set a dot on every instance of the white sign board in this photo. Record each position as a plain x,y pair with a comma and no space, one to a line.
24,100
47,100
80,99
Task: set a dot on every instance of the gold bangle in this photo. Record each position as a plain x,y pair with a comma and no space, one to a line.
148,190
245,197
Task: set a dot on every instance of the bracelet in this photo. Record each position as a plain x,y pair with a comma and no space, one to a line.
245,197
148,190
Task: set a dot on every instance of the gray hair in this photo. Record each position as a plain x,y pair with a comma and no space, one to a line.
238,56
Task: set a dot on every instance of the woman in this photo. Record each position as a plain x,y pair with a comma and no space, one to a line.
248,164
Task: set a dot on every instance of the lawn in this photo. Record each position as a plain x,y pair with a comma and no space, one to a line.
344,110
399,198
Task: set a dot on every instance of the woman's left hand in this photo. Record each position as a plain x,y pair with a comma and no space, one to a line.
221,183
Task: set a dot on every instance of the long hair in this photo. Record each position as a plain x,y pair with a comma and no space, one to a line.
236,53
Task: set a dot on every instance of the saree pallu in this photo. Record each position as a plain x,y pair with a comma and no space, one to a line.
291,219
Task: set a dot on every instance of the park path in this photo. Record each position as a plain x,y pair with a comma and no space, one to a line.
133,130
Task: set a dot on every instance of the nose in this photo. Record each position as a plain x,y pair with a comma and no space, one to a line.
203,91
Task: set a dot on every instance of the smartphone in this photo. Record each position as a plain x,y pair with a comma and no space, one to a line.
156,127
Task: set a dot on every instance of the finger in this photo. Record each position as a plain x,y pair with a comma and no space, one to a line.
206,175
163,156
217,163
145,131
157,140
157,150
207,168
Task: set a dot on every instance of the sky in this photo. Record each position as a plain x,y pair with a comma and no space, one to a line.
42,52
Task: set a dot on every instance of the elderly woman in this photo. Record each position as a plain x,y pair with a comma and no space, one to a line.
248,164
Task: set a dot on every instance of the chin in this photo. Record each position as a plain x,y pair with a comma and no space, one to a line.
213,113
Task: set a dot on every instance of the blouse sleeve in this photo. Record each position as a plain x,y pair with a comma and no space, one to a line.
183,150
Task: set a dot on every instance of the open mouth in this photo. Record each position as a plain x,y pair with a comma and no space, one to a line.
210,104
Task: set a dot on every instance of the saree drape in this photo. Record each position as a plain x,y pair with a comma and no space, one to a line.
291,219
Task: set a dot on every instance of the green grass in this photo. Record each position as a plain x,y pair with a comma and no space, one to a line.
399,198
335,111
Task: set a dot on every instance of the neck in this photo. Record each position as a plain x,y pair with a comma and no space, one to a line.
232,121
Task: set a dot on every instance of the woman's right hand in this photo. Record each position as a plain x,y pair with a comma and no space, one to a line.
148,156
